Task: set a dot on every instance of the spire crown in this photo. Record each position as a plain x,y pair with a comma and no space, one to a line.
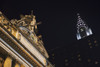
79,17
82,28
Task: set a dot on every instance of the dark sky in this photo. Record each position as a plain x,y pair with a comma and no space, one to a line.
58,18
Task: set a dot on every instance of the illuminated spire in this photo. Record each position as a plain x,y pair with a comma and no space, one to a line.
82,28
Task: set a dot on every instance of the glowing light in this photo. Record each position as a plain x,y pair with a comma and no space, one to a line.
82,28
79,59
66,60
89,60
89,43
96,62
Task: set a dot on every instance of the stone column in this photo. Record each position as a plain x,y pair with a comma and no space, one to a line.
22,65
17,65
8,62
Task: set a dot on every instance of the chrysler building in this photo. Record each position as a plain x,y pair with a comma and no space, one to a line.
82,29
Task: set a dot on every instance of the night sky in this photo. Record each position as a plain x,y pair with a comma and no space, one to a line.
58,18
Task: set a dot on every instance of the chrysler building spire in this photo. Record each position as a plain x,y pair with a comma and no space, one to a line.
82,29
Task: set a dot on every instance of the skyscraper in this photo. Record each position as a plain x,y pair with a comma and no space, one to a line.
84,52
82,29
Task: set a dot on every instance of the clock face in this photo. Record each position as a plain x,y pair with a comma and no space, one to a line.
82,31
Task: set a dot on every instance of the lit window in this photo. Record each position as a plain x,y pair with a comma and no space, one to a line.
53,54
90,46
96,62
89,43
89,60
66,64
95,41
79,59
66,60
78,55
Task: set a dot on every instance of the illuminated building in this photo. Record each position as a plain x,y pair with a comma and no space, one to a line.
82,29
20,46
83,52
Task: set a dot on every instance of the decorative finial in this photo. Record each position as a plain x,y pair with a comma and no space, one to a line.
78,16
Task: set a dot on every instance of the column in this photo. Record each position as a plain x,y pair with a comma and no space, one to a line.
8,62
22,65
17,65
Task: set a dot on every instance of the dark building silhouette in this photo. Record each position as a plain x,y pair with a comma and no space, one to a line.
82,53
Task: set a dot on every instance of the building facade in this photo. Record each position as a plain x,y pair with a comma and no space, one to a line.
20,46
